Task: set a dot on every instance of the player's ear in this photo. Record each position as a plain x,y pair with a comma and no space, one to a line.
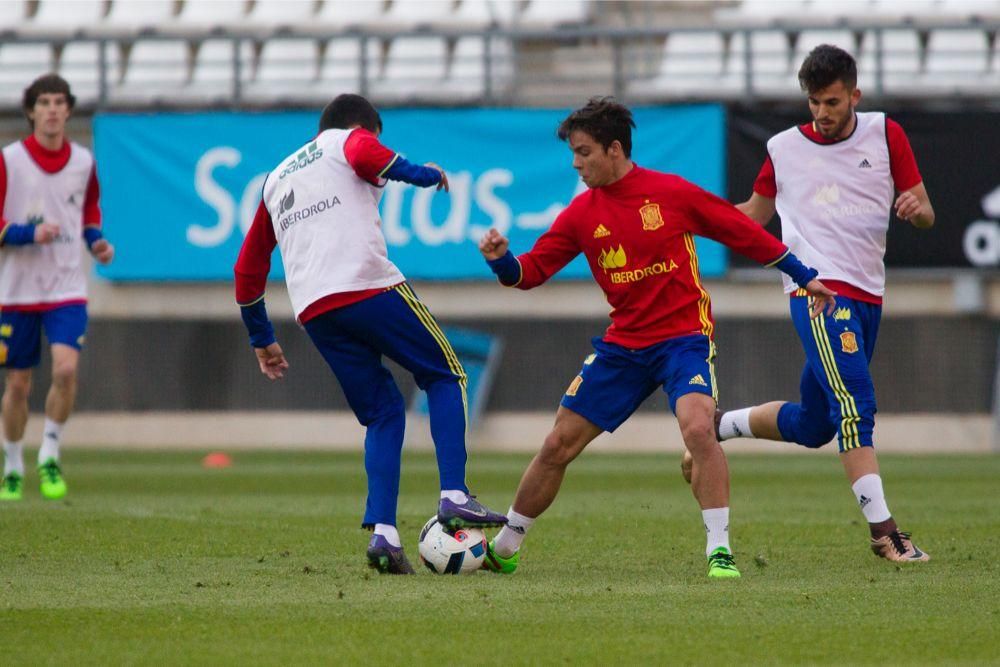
855,96
616,150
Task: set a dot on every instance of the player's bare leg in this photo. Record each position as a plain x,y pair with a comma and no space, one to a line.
709,479
15,418
58,406
540,485
543,477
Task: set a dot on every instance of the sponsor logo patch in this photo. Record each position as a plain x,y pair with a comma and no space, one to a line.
601,232
574,385
842,314
848,343
652,218
698,380
612,259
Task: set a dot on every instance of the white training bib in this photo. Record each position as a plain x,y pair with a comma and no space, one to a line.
835,202
327,224
53,272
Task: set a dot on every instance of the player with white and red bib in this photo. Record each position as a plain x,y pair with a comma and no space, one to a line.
50,214
834,182
320,207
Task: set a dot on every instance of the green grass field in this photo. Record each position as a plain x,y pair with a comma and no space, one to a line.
153,559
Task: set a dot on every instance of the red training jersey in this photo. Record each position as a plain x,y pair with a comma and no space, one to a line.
638,236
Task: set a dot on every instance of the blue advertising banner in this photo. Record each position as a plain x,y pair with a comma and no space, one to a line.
179,190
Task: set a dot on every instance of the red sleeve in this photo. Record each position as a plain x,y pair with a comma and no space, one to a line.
91,202
717,219
369,158
254,262
765,185
553,250
902,163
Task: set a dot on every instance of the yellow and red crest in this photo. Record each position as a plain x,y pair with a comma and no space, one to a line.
848,343
652,218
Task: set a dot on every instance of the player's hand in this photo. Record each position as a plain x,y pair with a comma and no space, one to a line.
493,245
102,251
443,185
46,232
908,207
823,298
272,361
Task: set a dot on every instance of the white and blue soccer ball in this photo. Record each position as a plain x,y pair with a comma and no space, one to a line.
451,552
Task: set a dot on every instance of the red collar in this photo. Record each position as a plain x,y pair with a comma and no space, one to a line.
49,161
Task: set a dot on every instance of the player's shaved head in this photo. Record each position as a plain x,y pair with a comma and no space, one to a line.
824,66
349,110
604,119
43,85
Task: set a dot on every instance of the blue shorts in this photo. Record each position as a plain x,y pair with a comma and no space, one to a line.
837,394
21,333
615,380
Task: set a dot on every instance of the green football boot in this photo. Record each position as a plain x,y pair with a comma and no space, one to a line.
721,565
53,485
12,487
497,563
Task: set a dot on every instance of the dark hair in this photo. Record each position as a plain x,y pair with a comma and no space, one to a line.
47,83
825,65
604,119
347,110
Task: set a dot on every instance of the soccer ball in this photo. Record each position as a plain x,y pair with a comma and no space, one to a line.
451,552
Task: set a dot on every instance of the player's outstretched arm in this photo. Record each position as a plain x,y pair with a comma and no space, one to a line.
914,206
12,234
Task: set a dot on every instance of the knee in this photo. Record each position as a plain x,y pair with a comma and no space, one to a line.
558,450
698,434
816,434
17,387
64,375
388,406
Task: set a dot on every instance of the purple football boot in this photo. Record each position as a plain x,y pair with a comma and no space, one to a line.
386,558
470,514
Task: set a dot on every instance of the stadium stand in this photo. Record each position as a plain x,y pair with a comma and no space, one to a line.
138,17
652,51
213,76
67,17
21,62
349,14
287,69
157,71
341,70
79,63
415,68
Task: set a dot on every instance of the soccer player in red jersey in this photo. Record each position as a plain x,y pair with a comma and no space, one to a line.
636,227
836,218
49,214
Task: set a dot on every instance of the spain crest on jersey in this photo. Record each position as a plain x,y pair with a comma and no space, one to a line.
848,342
652,218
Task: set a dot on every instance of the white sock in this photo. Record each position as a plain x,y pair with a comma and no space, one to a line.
13,458
871,498
455,496
735,424
509,539
50,441
389,532
716,529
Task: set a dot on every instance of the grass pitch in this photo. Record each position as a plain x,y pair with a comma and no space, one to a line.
152,559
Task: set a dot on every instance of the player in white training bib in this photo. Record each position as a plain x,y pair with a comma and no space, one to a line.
50,215
835,182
